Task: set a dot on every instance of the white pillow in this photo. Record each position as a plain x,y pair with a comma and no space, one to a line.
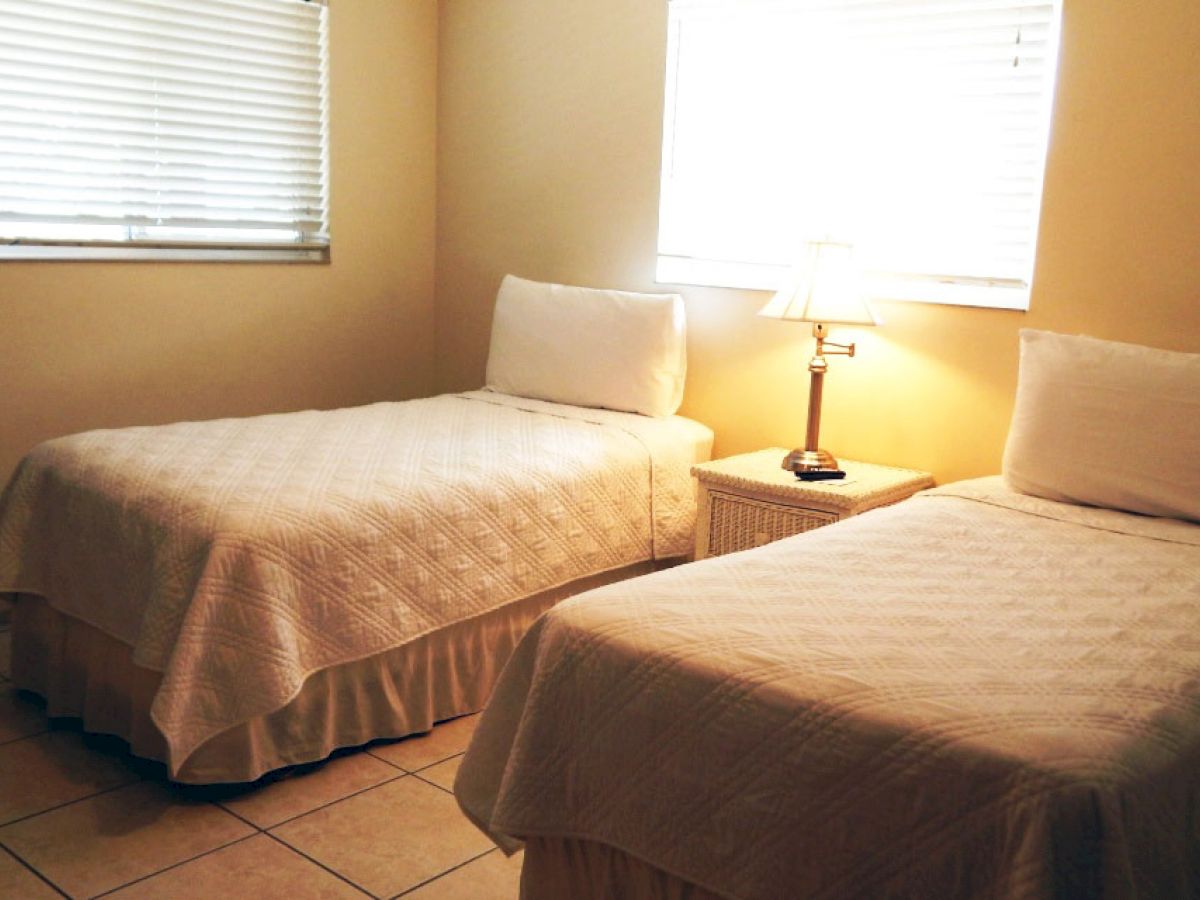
586,347
1106,424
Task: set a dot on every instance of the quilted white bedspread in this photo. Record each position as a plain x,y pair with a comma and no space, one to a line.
970,694
239,556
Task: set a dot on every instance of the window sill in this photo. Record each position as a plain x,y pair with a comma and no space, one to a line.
675,270
104,253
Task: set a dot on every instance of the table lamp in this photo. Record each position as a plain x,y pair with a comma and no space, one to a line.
824,290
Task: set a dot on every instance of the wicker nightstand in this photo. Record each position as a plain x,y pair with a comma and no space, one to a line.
748,500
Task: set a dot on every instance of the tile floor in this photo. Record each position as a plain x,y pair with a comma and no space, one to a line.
80,817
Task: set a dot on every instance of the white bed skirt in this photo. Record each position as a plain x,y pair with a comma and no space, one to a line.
83,673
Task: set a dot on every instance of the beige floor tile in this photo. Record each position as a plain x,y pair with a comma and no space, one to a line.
17,881
20,716
443,773
45,771
492,877
423,750
110,840
390,838
269,804
258,867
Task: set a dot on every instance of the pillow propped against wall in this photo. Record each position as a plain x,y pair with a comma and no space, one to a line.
588,347
1107,424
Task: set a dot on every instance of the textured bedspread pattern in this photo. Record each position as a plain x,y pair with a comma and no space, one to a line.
239,556
971,694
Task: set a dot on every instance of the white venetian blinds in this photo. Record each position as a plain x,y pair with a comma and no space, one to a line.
914,129
163,123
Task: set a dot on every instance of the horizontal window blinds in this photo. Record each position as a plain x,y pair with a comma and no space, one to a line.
163,123
915,129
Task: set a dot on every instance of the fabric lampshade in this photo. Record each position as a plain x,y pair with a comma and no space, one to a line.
824,288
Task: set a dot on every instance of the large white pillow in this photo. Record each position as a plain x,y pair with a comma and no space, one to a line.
1106,424
587,347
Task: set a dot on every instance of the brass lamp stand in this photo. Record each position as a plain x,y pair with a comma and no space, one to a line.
824,290
812,458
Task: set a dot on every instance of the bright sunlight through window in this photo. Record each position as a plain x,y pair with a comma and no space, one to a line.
914,129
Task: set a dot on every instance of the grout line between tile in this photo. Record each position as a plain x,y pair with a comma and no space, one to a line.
443,874
424,767
25,737
240,818
39,875
401,772
107,790
183,862
389,762
372,787
440,761
432,784
317,862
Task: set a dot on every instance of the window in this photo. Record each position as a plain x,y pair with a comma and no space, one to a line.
914,129
156,128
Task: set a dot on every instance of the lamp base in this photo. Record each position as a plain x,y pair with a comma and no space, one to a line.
809,460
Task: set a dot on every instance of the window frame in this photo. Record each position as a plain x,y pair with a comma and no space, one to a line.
137,245
958,290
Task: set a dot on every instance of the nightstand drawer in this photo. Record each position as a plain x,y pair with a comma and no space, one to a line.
739,523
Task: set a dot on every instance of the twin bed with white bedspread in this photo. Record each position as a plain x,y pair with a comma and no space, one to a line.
974,693
238,595
991,690
239,557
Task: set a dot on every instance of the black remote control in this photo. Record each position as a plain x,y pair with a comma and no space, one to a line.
820,474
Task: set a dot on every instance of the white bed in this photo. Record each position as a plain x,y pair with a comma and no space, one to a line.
237,595
977,693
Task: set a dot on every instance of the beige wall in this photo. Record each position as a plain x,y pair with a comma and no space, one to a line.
88,345
549,136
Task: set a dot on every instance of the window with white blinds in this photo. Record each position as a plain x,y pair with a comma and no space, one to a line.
914,129
164,129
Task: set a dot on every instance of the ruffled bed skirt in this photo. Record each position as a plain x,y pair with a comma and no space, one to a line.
83,673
